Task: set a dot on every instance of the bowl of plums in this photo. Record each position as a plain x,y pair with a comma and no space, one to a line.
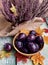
28,43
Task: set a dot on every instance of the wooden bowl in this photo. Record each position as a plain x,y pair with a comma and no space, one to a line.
20,51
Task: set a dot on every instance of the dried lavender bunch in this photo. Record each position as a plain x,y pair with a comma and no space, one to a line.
18,11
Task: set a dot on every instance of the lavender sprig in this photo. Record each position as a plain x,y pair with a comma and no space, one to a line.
26,9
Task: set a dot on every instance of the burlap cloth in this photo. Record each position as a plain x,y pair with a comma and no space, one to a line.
5,25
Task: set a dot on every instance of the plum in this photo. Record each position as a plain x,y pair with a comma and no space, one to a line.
33,47
40,41
25,44
19,44
24,50
33,32
22,36
31,37
8,47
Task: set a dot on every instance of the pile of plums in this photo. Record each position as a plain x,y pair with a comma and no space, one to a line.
29,44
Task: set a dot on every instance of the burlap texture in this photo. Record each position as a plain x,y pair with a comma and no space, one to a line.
5,25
